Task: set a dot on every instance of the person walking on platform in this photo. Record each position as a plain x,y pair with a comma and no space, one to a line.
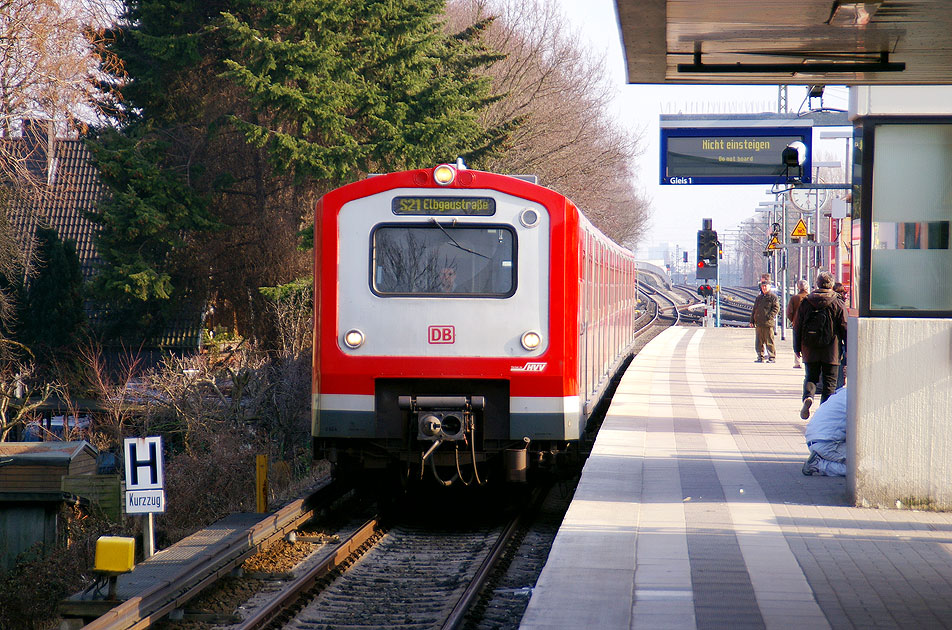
819,332
826,438
793,306
763,318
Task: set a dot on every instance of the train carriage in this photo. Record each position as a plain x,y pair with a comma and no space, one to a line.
466,324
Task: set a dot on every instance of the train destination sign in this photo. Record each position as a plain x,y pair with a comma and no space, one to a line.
729,155
451,206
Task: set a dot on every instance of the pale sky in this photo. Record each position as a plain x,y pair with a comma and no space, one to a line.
678,210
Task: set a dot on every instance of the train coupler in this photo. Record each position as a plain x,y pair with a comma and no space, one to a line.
443,418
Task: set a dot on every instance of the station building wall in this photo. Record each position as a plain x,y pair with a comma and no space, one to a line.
899,426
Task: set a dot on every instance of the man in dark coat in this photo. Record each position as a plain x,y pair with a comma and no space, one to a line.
763,318
793,305
821,356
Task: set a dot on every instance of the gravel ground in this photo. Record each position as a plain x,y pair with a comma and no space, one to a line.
262,574
266,573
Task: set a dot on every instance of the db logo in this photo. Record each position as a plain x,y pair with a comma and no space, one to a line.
442,334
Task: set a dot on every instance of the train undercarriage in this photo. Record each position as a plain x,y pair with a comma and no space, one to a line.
436,430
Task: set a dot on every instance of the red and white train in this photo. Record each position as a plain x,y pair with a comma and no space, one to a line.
466,324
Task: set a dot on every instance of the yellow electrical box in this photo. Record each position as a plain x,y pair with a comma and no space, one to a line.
115,554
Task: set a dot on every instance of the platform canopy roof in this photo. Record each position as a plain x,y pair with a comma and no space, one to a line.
807,42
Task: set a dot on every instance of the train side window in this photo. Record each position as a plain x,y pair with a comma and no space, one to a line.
435,260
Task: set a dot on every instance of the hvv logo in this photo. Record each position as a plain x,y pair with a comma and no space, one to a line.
531,366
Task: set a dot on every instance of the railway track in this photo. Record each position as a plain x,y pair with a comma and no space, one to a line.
736,304
663,312
207,568
668,312
445,566
409,575
688,294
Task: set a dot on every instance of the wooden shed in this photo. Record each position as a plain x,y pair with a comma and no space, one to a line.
31,491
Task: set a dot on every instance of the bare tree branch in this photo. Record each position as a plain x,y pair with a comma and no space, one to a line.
561,93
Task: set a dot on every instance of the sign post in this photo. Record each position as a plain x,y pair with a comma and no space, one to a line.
717,289
261,483
145,489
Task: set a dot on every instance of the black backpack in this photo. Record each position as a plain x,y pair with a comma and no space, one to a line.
818,328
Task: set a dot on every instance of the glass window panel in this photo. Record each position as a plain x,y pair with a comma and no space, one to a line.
439,261
911,215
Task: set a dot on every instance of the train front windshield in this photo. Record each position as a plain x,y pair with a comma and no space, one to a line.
439,260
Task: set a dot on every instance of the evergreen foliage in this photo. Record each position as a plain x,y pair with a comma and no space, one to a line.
150,166
240,113
51,315
337,88
11,266
290,291
142,227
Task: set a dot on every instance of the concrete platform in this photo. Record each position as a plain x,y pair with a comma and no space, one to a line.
168,565
692,512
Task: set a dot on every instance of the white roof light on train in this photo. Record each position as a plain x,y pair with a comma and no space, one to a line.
444,174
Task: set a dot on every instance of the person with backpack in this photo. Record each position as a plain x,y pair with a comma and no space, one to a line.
818,333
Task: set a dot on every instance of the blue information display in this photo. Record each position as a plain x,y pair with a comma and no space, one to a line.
730,155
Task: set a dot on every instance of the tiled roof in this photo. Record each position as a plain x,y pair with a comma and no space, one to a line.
75,190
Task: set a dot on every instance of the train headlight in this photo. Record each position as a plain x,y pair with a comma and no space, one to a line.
444,174
353,338
531,340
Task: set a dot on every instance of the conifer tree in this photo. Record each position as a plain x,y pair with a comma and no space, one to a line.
52,318
142,228
239,114
339,88
148,163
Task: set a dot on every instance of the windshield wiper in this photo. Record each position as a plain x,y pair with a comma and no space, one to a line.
456,243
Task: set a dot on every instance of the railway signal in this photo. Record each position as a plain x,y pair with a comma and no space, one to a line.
708,249
708,253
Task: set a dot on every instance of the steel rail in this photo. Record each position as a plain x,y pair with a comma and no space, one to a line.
154,603
654,317
465,602
660,313
271,612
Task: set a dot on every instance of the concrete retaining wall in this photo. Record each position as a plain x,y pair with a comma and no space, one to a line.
899,428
